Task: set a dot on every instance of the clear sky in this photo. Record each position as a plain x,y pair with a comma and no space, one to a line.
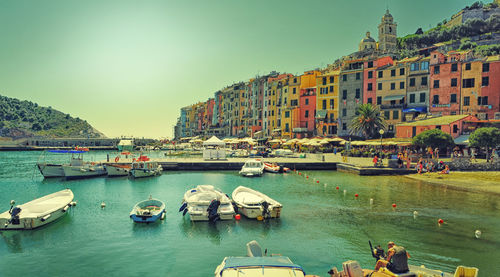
127,67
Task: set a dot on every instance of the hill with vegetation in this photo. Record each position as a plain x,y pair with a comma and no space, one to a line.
27,119
481,36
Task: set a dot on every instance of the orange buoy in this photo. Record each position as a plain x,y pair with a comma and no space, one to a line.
356,195
440,221
300,173
337,188
237,216
117,159
317,181
394,205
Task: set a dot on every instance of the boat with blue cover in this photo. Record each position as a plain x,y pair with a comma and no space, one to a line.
257,264
148,211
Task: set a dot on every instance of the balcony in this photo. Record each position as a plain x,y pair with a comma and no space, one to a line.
393,106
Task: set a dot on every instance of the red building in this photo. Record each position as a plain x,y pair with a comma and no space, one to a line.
370,78
491,88
306,113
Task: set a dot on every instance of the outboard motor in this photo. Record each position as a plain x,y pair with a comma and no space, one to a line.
213,215
265,210
254,249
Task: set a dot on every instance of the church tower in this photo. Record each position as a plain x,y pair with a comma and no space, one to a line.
387,35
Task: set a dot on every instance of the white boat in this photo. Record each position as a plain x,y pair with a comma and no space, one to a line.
117,170
274,168
85,170
253,203
37,212
50,170
125,145
145,168
258,265
252,168
206,203
148,211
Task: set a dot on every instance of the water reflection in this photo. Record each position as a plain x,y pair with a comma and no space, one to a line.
13,240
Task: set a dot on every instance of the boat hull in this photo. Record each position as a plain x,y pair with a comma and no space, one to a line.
141,173
147,219
199,213
50,170
250,203
256,212
80,172
114,171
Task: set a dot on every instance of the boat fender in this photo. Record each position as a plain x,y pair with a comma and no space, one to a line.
183,207
65,208
117,159
45,218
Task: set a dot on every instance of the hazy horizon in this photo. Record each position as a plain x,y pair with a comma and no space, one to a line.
127,67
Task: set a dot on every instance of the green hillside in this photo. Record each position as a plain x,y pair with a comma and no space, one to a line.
26,119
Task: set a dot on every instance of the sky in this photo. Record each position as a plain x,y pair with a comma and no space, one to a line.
127,67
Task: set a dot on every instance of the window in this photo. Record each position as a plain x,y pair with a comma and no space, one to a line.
358,93
454,67
369,100
358,76
344,126
287,114
425,65
468,83
436,69
486,67
332,117
414,67
455,128
422,97
387,115
395,114
436,83
370,87
324,104
402,71
467,101
307,124
402,85
412,82
486,81
453,98
332,104
467,66
344,112
370,74
344,77
331,79
324,80
307,101
294,90
485,100
424,81
294,102
479,100
344,94
381,74
379,100
295,80
393,72
287,127
379,86
438,127
393,86
412,98
454,82
435,99
370,64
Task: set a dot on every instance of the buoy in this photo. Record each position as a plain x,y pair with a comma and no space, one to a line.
477,234
356,195
415,214
394,205
307,177
337,188
260,218
73,203
300,173
317,181
103,204
345,192
237,216
440,221
371,201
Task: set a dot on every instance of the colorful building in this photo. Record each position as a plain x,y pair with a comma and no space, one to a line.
450,124
417,87
327,101
351,94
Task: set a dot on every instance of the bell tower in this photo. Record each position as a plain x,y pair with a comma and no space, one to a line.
387,34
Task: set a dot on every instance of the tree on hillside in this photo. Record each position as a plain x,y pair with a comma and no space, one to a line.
419,31
367,121
487,137
434,138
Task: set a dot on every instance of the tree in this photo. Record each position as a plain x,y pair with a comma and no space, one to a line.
367,121
419,31
488,137
434,138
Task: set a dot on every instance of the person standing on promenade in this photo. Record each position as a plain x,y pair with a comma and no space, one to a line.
436,152
473,154
375,161
335,150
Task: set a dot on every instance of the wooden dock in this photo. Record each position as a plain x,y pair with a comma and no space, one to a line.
372,171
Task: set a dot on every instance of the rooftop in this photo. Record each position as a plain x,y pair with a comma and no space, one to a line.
442,120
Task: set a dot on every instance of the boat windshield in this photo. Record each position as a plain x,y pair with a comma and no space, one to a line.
253,164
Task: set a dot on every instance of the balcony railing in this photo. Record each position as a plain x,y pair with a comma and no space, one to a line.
393,106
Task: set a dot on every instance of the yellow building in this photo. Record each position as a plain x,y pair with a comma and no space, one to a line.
471,87
290,105
327,105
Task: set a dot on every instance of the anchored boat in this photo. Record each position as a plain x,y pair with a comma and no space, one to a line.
50,170
148,211
207,203
144,167
274,168
252,168
37,212
253,203
117,170
85,170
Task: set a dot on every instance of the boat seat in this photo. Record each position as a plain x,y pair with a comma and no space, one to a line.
254,249
463,271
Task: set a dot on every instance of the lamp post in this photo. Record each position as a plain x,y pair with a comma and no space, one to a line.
381,132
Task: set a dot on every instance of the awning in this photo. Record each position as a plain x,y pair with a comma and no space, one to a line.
462,140
415,110
321,113
394,97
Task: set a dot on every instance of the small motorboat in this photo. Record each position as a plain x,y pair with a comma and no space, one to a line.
253,203
144,167
117,170
148,211
252,168
37,212
86,170
50,170
206,203
257,264
274,168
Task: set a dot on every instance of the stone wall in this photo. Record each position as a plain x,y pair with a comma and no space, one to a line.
464,164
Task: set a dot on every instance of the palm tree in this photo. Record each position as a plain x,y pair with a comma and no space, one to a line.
368,121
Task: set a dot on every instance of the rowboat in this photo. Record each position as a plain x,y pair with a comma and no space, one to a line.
148,211
38,212
207,203
274,168
253,203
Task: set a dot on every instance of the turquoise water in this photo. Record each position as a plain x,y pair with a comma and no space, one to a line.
320,227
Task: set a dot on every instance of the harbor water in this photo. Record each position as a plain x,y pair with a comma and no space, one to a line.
320,226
